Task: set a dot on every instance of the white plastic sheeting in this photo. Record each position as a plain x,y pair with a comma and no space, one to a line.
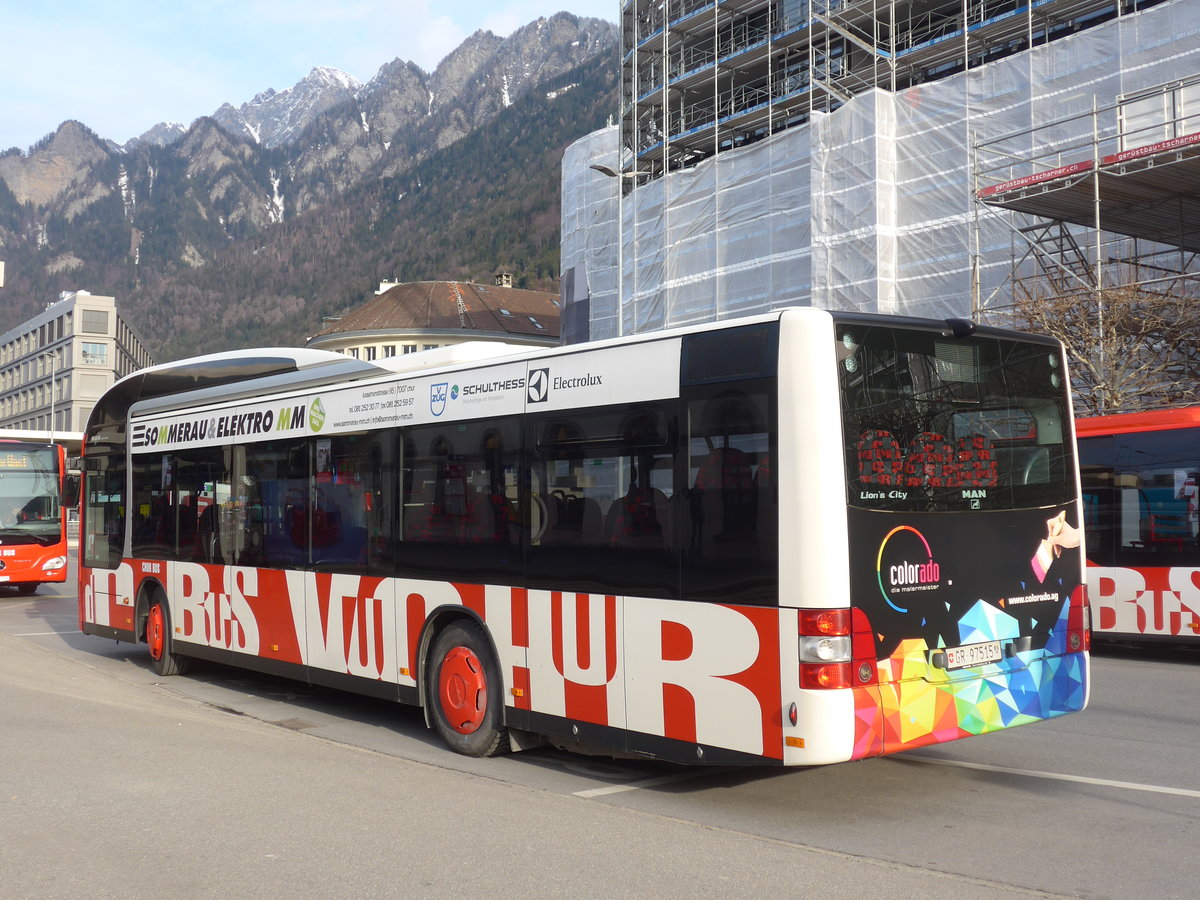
867,208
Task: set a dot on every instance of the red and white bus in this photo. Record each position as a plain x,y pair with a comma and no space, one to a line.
800,538
1142,519
33,529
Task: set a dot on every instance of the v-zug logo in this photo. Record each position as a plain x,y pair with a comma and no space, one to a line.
539,386
437,397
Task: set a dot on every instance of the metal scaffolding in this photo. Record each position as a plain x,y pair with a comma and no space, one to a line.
700,77
852,179
1115,202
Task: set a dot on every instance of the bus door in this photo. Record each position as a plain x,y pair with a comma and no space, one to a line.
106,598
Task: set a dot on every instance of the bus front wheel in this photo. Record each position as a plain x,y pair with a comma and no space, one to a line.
464,691
158,637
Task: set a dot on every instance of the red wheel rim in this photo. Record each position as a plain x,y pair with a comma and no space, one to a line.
462,690
155,631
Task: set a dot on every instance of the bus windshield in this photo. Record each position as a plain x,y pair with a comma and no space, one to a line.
30,506
940,423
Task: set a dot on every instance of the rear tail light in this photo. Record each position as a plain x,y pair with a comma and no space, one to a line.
1079,622
837,649
825,648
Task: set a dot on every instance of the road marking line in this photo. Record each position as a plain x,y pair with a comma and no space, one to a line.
45,633
1055,776
647,782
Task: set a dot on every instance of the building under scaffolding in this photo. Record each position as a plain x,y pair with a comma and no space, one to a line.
791,152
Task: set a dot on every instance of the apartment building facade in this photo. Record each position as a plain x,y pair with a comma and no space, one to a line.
55,366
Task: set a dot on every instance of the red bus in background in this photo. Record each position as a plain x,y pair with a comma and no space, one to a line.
33,528
1139,474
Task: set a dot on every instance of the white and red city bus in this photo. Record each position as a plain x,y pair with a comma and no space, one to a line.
799,538
33,529
1142,520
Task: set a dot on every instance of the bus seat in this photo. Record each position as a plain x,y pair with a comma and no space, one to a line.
762,473
633,520
930,462
725,489
725,468
1165,519
976,462
591,520
880,460
478,524
573,520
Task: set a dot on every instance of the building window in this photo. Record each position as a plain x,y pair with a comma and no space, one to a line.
352,352
430,347
370,354
94,321
410,348
389,350
94,354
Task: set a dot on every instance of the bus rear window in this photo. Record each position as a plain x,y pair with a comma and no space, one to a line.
934,422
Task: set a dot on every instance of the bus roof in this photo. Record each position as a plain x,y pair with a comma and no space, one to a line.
1149,420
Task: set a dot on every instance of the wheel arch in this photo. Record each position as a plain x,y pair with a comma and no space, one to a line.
147,591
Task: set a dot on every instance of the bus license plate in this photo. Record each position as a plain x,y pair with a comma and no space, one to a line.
973,655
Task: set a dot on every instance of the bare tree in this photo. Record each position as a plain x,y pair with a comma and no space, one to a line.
1130,348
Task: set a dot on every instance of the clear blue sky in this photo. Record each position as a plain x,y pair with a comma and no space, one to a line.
122,66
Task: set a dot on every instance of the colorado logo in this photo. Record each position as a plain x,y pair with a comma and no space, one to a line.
905,564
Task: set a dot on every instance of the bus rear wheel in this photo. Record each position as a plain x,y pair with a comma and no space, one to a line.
464,691
158,637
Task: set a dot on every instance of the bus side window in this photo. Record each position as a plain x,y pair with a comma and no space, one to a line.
155,506
203,489
275,511
732,509
603,497
461,507
351,519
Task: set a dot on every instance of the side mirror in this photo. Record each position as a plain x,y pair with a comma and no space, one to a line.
70,490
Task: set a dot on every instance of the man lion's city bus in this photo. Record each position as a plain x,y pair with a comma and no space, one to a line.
793,539
33,530
1141,517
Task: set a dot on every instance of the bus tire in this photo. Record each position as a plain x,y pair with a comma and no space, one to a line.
464,691
26,588
158,637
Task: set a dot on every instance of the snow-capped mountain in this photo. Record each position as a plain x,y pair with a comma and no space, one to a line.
274,117
483,75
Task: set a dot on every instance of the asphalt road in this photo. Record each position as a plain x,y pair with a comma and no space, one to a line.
221,783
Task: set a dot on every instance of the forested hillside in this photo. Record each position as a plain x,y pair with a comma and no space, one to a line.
488,202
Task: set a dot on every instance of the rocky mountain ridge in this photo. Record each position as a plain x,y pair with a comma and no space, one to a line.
78,212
